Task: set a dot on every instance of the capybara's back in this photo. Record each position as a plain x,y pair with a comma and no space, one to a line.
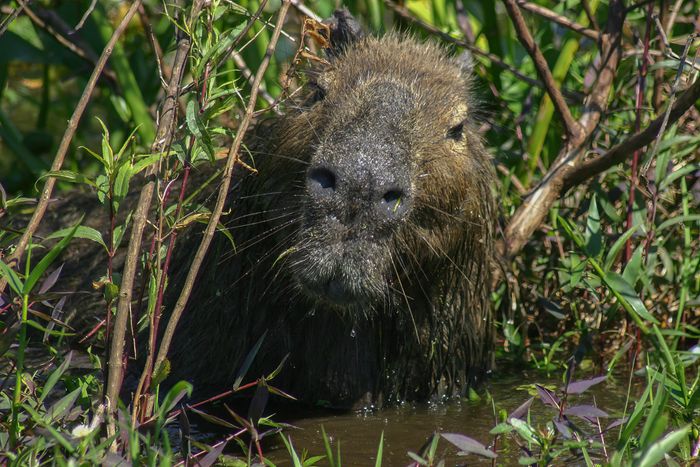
363,244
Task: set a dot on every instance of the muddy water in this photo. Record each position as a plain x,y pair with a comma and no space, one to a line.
407,428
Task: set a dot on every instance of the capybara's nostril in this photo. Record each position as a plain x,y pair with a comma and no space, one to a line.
393,203
321,180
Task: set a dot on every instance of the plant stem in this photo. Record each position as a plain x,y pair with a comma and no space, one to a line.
639,101
19,367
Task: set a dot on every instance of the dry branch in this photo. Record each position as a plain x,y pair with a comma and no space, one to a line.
66,140
573,129
231,161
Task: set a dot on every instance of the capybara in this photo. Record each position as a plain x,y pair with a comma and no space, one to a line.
364,244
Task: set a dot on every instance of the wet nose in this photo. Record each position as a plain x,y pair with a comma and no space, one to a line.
327,186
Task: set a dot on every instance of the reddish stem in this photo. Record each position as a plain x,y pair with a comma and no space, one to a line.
639,101
164,273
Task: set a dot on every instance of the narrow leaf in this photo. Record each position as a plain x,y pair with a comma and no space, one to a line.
81,232
577,387
48,259
468,445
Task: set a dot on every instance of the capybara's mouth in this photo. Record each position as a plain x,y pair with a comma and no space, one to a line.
336,292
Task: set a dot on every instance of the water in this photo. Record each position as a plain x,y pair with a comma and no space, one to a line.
407,428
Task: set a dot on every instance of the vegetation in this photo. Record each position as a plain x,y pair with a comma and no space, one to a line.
590,107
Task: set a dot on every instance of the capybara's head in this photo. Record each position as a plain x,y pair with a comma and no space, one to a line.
364,242
394,174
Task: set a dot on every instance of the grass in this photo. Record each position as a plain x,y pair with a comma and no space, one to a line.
573,300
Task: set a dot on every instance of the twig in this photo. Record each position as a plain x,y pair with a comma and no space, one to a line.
163,137
496,60
622,151
512,177
233,155
559,19
86,15
65,141
573,129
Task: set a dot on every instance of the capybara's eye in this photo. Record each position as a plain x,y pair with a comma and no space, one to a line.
318,92
455,133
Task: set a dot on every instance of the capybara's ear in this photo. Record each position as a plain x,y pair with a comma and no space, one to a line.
345,30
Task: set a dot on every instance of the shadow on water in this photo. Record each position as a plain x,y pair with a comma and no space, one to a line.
408,427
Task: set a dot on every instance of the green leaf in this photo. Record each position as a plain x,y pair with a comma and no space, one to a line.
93,154
119,231
665,351
654,454
54,377
121,185
656,420
617,246
160,373
146,161
327,446
177,392
80,232
63,405
380,450
682,172
593,237
626,293
107,152
48,259
12,278
634,266
291,451
68,176
191,118
501,428
524,430
126,144
54,432
102,184
677,220
248,361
